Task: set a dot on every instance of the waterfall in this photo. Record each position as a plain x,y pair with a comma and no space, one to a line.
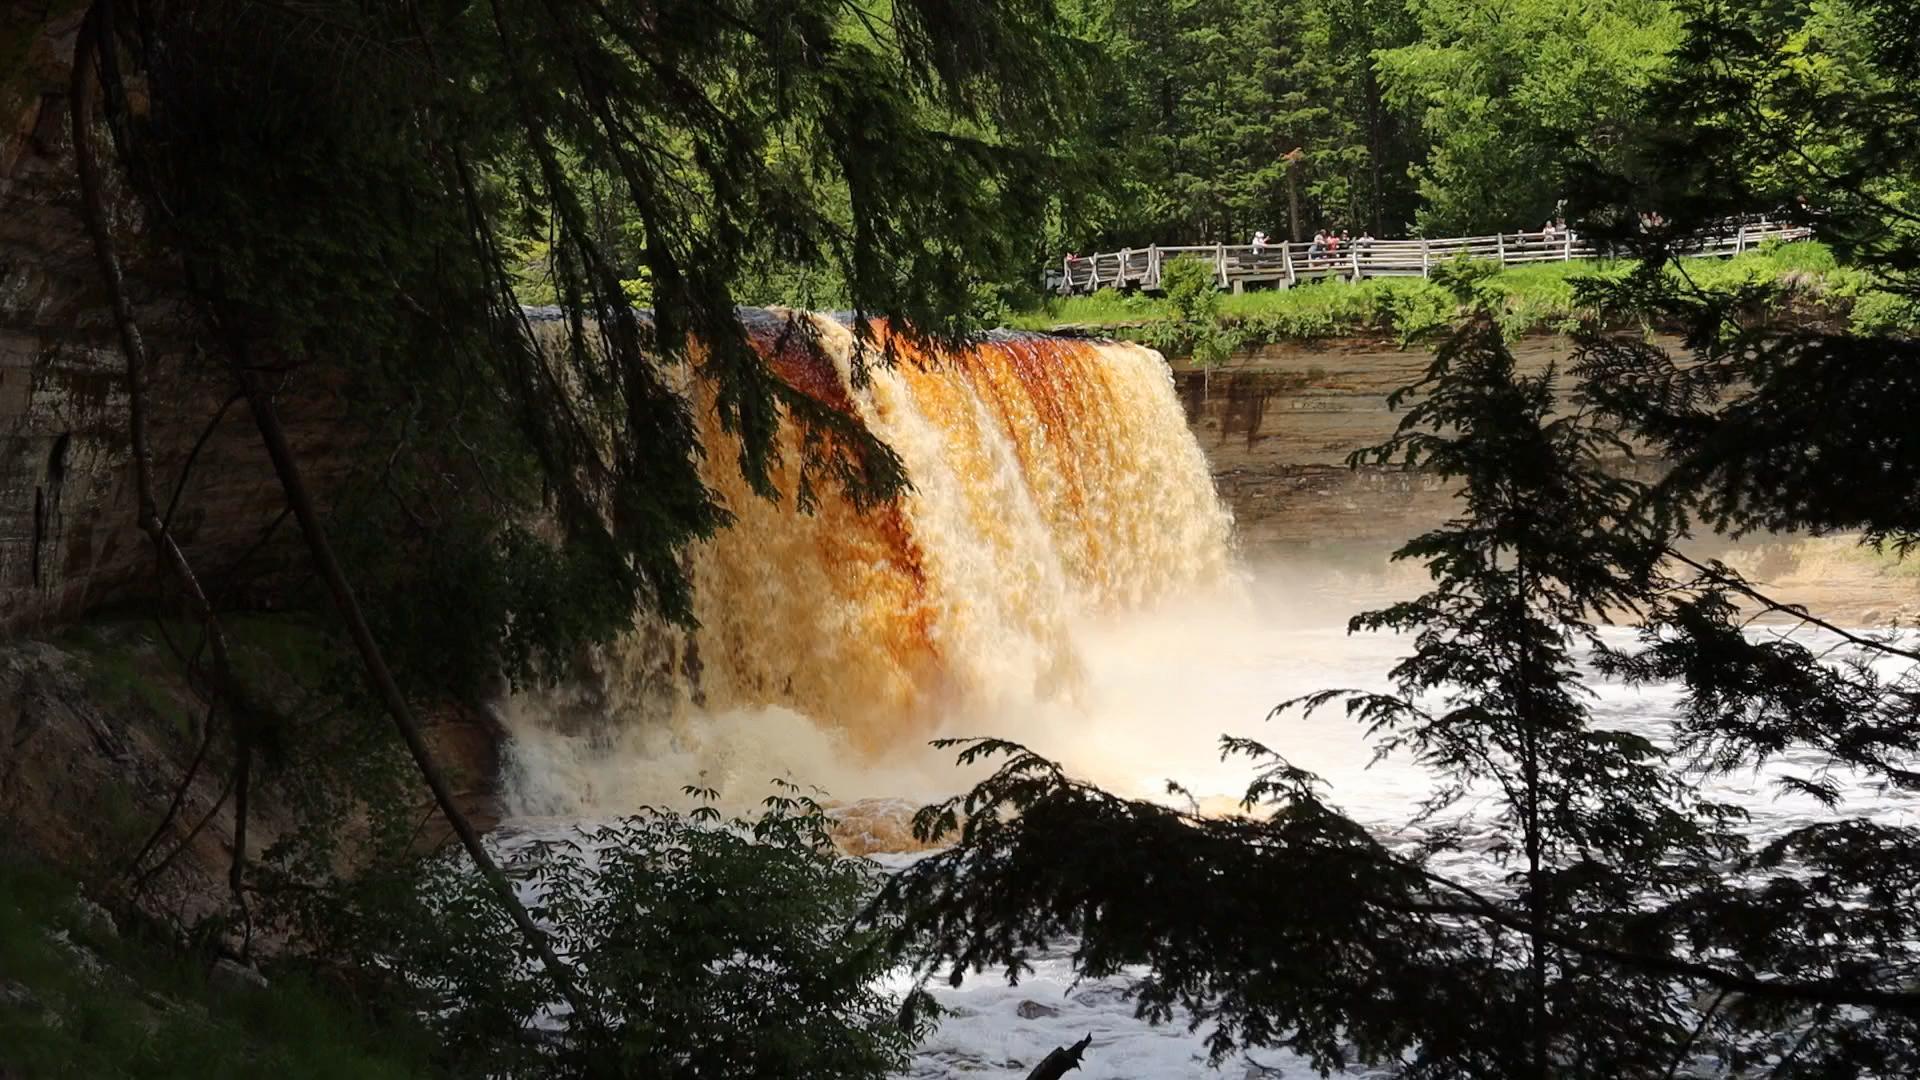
1054,481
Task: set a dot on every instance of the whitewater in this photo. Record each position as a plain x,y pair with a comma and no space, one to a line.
1062,575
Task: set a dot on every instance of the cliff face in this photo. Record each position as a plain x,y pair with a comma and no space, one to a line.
67,538
92,740
1278,422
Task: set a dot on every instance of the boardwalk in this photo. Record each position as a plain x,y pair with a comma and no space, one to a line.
1283,265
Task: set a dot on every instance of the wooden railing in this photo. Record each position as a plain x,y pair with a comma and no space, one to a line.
1284,264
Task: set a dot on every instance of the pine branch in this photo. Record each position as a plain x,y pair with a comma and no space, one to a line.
1738,585
93,37
1787,990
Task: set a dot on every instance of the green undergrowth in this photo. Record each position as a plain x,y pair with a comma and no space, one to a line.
79,1000
137,661
126,652
319,759
1533,299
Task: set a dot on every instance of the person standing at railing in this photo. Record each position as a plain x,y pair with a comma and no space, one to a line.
1259,241
1318,249
1546,232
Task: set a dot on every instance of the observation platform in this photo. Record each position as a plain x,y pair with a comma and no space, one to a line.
1285,264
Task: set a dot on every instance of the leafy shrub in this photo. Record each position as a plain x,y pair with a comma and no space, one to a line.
1525,299
1192,290
710,949
1884,314
1414,309
84,1001
1213,343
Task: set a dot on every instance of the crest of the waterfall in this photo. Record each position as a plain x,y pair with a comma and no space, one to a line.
1053,480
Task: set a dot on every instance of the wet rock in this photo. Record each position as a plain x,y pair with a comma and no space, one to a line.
1033,1010
76,760
17,996
82,957
233,977
1099,995
94,920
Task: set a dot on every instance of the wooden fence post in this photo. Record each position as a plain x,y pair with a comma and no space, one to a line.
1567,253
1220,262
1500,246
1426,259
1286,260
1153,266
1740,239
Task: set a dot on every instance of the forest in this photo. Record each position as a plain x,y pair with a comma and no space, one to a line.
494,313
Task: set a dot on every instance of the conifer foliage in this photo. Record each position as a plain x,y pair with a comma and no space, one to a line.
335,186
354,188
1638,929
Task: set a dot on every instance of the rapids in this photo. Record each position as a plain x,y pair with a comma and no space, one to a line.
1061,575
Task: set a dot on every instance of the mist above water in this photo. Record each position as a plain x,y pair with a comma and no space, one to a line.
1061,575
1154,690
1060,557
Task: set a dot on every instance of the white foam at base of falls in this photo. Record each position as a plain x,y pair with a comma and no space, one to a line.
1056,488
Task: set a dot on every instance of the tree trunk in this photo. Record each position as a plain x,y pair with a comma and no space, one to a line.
1293,194
381,679
1370,89
93,46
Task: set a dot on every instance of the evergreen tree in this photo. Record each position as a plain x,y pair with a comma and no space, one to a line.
1772,424
1203,104
352,191
1649,933
1637,930
341,191
1507,92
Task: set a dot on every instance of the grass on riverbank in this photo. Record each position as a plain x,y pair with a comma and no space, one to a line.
79,1000
1539,297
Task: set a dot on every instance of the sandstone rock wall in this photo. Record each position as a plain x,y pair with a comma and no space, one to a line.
1278,422
67,538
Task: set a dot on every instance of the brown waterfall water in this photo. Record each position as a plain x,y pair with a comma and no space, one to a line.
1056,487
1061,575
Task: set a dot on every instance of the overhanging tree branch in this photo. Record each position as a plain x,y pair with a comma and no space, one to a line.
1812,993
380,677
1797,611
94,38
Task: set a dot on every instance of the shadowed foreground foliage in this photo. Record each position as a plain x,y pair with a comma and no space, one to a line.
1634,925
712,948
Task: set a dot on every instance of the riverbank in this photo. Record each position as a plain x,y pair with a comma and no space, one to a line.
1277,423
84,995
116,777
